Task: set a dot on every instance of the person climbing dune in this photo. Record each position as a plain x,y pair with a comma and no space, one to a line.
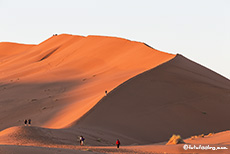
106,93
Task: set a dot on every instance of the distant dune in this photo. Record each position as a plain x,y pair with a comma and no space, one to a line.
60,84
8,49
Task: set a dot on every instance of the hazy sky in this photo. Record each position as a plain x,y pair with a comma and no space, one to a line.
197,29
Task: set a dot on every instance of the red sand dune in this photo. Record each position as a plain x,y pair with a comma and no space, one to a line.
60,83
59,80
177,97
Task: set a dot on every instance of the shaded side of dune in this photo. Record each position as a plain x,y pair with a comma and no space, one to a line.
177,97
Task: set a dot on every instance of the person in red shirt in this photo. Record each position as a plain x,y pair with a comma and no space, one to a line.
118,143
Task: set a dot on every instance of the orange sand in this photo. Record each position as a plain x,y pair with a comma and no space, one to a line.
20,140
90,65
179,97
61,82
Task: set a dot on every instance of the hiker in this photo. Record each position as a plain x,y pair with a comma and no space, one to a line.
106,93
118,143
82,139
29,122
25,122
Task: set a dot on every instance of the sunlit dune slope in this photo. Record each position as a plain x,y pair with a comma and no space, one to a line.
34,140
38,136
35,136
57,81
220,138
177,97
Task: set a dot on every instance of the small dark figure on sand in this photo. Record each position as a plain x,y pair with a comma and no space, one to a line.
118,143
25,122
106,93
82,139
29,122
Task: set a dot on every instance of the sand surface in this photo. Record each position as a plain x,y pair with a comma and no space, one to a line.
59,80
40,140
15,149
60,84
178,97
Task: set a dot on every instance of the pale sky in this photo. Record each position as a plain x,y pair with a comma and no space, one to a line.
197,29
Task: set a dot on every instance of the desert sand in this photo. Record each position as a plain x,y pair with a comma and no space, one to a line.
40,140
60,84
157,102
65,76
